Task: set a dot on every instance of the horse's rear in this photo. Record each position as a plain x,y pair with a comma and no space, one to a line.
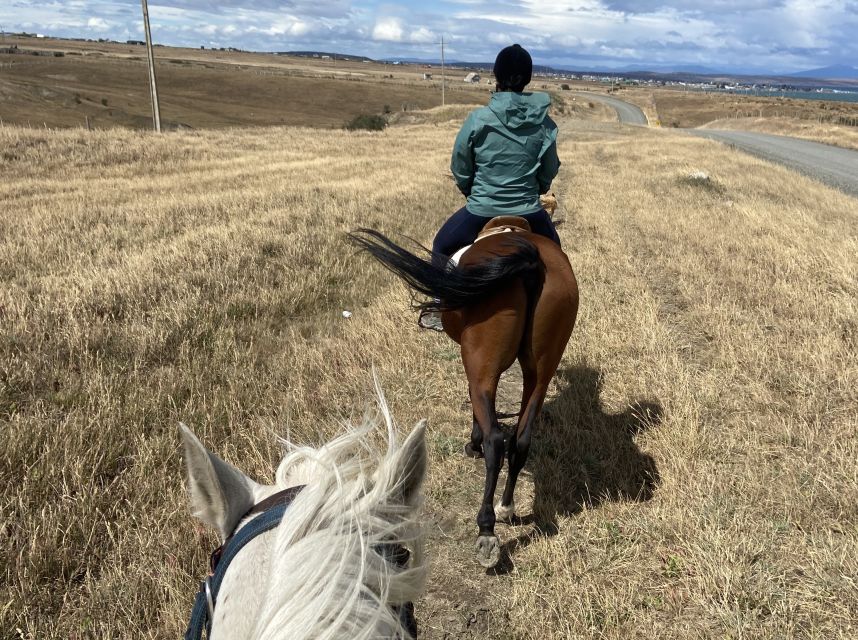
512,296
530,320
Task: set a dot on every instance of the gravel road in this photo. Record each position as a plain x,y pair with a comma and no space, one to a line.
626,112
835,166
832,165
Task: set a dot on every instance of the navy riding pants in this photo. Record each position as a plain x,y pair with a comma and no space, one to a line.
463,226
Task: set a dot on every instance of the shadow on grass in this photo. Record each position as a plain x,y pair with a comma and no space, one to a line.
582,456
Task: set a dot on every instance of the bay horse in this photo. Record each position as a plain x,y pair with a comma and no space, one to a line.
321,553
513,295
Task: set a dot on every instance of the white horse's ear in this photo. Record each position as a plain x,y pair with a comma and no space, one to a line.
411,463
220,493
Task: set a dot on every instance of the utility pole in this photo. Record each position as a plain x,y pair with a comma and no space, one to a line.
153,87
443,83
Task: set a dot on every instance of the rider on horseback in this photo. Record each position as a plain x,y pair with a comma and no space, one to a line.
504,157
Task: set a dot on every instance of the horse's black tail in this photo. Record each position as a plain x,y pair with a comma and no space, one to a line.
455,288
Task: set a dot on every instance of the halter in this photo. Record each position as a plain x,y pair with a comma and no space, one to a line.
271,510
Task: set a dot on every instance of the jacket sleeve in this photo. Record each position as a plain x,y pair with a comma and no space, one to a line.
462,163
549,165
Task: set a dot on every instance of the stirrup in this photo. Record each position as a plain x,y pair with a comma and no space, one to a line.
430,320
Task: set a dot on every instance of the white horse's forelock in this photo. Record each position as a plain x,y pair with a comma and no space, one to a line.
327,576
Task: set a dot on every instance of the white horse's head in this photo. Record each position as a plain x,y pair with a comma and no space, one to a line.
325,569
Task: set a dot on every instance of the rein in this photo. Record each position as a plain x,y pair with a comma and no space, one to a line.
269,513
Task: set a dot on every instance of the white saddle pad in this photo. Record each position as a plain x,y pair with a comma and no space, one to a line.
454,259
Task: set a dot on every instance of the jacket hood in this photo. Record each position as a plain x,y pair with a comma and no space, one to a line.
516,110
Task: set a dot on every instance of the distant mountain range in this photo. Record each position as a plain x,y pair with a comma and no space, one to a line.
834,72
637,68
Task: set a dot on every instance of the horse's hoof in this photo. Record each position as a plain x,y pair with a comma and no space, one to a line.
488,551
471,452
506,514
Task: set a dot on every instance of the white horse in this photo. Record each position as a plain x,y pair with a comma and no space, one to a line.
327,566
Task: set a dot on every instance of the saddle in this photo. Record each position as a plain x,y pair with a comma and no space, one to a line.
499,224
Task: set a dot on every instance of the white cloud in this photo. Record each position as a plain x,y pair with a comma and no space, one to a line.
775,34
389,29
423,36
499,38
299,28
98,24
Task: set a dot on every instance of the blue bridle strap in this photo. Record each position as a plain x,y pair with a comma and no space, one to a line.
206,599
269,518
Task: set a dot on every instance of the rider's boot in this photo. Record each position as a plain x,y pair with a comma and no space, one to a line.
430,320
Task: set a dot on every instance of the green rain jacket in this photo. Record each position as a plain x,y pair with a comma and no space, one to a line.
506,155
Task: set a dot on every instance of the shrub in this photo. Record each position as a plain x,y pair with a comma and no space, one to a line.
367,122
564,87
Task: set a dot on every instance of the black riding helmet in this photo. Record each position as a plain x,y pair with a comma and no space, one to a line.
513,68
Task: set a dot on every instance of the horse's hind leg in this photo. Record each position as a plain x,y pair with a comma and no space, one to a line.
474,448
483,400
518,446
544,346
487,351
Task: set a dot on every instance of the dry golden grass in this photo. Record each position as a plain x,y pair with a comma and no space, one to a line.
678,108
694,474
828,133
108,84
562,106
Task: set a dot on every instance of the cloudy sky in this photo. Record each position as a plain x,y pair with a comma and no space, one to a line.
752,35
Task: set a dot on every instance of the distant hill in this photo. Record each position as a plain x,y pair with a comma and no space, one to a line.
323,54
432,61
834,72
681,68
459,64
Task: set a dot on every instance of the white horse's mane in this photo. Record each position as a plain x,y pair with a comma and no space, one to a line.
327,578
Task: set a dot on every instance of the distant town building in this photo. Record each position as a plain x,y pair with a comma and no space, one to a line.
472,77
427,76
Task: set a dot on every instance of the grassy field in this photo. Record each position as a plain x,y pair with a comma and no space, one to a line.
105,85
694,108
693,474
108,84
